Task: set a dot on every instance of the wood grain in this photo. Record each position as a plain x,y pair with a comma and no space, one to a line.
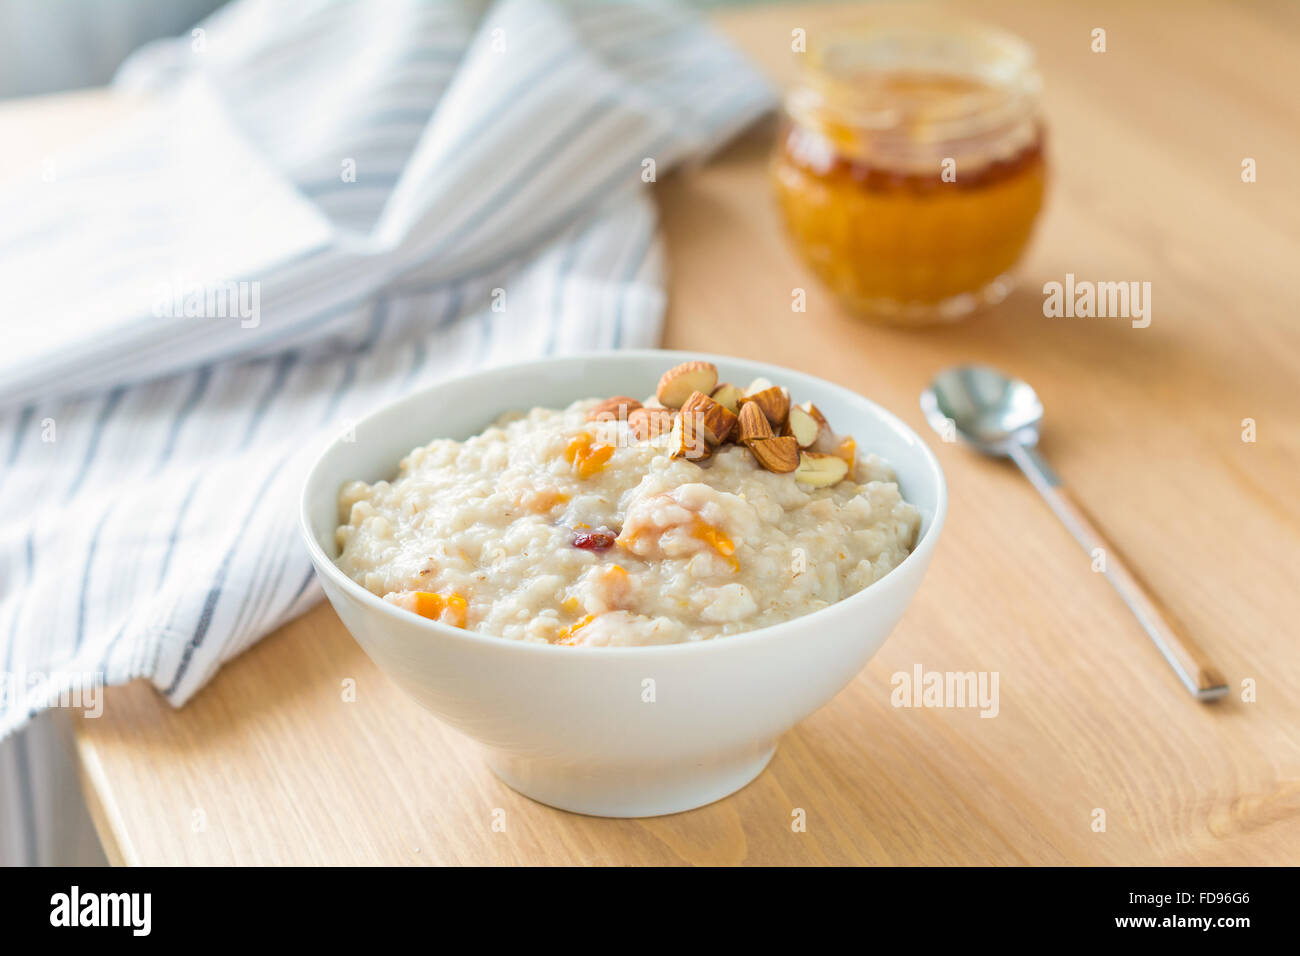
269,764
1194,668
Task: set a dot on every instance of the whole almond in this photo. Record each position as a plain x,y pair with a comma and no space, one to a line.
714,421
611,409
752,424
780,455
677,384
647,423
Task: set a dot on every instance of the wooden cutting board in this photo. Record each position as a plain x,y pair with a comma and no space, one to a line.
270,765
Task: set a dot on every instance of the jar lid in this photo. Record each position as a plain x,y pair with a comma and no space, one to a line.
915,77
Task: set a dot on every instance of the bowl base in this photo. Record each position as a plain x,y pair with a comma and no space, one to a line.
623,792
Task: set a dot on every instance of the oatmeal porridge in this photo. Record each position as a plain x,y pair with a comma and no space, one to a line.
705,511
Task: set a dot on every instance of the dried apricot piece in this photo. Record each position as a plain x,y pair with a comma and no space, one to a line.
718,541
568,636
847,449
449,609
587,459
542,500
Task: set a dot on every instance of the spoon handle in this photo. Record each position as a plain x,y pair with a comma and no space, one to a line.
1198,675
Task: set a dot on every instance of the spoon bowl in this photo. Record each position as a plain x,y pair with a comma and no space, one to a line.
990,410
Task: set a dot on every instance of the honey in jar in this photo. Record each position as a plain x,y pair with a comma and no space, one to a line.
910,170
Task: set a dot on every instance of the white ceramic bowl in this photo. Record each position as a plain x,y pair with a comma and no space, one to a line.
617,731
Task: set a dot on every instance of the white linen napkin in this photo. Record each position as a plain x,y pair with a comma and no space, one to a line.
324,205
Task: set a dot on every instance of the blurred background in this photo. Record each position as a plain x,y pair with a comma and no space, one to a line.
47,46
54,45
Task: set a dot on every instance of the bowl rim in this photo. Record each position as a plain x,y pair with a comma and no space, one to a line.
324,564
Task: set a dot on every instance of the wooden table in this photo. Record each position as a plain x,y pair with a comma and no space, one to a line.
269,765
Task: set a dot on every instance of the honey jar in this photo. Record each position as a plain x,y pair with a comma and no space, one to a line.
910,168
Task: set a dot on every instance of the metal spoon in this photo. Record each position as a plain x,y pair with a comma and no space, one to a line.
1000,415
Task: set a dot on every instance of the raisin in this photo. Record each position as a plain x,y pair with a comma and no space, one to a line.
596,540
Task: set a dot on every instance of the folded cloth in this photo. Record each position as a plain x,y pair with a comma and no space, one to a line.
320,206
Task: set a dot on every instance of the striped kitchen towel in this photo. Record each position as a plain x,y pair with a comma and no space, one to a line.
320,206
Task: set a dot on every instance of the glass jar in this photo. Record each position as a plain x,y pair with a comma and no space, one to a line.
910,170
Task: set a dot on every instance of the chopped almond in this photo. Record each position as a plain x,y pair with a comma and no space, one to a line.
802,426
782,438
689,440
779,455
728,396
816,413
773,401
647,423
820,470
710,419
752,424
677,384
613,409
